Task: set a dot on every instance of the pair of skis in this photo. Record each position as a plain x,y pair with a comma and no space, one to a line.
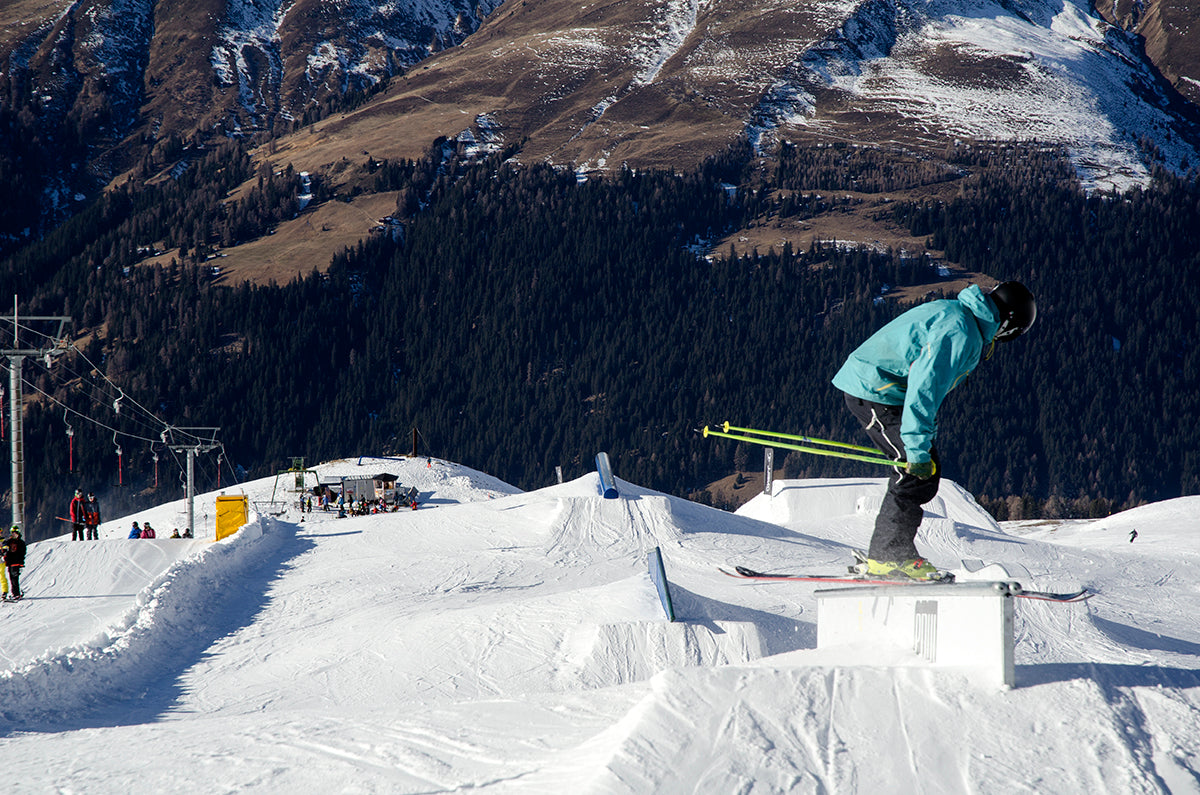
743,573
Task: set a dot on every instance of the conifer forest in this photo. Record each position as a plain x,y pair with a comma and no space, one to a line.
525,319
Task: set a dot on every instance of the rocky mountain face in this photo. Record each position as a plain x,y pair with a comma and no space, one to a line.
628,81
1171,36
155,66
102,82
600,83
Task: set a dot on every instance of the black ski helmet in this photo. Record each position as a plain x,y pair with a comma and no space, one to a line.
1017,309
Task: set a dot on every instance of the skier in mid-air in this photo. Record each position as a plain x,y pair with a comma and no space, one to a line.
894,384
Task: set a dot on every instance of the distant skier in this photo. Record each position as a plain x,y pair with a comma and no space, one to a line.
894,384
76,514
1132,535
91,517
14,561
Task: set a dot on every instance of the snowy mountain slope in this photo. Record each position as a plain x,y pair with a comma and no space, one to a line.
126,77
647,83
513,642
990,70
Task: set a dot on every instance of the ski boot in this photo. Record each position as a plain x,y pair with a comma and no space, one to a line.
912,569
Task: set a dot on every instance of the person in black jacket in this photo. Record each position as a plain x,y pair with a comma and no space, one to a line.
91,517
14,561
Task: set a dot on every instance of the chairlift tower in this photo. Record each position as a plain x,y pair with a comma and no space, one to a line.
32,335
191,441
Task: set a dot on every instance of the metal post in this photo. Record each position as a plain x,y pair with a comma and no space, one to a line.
18,442
43,337
768,471
191,490
199,440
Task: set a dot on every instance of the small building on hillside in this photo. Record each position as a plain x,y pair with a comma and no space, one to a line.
358,489
385,484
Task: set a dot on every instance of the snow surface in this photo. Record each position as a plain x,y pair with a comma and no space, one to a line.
512,641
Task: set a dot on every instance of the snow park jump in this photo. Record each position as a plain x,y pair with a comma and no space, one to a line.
507,641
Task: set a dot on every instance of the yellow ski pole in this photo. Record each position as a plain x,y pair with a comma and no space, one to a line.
795,437
875,459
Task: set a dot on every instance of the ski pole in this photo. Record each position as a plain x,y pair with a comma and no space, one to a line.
808,439
875,459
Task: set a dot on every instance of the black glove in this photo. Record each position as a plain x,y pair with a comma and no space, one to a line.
921,469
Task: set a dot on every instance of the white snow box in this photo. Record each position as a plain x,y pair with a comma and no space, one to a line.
963,625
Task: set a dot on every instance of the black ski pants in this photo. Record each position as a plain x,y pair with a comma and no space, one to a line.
901,511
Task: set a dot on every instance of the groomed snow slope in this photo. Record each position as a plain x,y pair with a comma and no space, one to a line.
513,642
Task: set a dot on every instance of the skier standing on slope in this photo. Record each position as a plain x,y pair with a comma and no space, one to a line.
76,513
894,384
14,561
91,517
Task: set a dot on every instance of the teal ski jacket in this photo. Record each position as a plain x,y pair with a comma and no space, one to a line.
915,360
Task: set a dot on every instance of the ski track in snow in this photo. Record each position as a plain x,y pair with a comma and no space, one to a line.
513,642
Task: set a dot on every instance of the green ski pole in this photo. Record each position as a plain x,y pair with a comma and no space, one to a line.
875,459
808,439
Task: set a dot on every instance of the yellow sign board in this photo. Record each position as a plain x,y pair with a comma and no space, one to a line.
232,512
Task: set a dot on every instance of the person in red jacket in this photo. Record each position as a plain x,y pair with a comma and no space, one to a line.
76,514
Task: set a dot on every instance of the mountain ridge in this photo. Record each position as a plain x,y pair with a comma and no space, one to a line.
604,83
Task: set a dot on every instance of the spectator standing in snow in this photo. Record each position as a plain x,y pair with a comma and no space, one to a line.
3,577
135,531
76,514
91,517
147,531
894,384
14,561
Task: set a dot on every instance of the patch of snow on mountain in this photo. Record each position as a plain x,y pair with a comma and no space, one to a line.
784,103
119,34
671,25
487,142
327,55
1033,70
250,27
